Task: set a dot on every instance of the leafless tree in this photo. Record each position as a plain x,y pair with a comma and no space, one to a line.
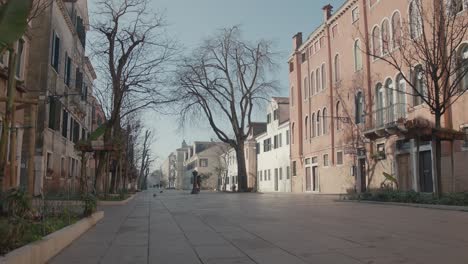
223,80
145,159
425,51
132,52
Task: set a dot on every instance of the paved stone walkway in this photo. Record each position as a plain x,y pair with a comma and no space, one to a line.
216,228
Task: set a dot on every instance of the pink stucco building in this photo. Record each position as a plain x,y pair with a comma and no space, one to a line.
352,117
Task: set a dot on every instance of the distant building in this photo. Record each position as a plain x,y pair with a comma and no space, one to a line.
205,158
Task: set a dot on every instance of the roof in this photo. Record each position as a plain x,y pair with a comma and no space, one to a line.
281,100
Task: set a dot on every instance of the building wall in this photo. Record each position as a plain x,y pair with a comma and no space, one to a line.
273,166
336,38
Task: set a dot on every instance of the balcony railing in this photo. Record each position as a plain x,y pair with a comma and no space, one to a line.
389,115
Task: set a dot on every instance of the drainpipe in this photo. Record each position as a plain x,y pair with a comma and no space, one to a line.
327,10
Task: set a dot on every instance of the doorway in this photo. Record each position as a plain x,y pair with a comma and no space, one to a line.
404,172
425,171
308,180
315,181
362,175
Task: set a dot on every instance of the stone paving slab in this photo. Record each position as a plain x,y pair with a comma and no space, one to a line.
218,228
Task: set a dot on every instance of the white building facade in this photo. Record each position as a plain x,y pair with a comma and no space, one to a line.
273,149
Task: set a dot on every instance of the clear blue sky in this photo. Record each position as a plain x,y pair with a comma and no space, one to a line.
192,20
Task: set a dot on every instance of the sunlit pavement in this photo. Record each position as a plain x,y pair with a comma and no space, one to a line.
175,227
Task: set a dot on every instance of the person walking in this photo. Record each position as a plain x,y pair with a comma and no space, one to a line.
195,182
198,183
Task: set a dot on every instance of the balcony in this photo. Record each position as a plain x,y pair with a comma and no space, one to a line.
387,121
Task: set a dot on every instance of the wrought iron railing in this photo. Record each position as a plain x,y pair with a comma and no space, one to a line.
389,115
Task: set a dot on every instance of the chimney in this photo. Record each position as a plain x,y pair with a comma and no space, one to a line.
297,41
327,12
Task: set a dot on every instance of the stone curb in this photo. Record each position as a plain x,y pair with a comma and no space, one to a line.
427,206
124,202
43,250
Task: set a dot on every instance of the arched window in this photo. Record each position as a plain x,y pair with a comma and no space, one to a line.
293,135
419,85
306,127
396,30
359,106
324,120
312,83
389,102
379,104
464,67
415,19
306,88
338,115
312,124
317,80
385,36
401,97
376,48
324,77
357,55
319,130
337,68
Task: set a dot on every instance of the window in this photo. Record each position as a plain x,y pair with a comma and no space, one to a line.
267,145
294,168
203,162
464,67
319,130
65,124
19,59
381,151
322,42
288,173
335,31
306,125
280,173
275,114
49,166
419,84
314,160
312,83
305,89
55,109
287,137
465,144
316,46
63,171
357,55
55,59
385,36
339,158
415,19
257,148
337,68
275,142
317,81
280,140
261,176
312,124
79,80
389,100
379,104
307,161
303,57
276,173
359,106
376,49
324,77
401,97
84,93
269,175
268,118
191,180
338,115
355,14
396,30
325,160
324,120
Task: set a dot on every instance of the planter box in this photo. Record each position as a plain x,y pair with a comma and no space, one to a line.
43,250
123,202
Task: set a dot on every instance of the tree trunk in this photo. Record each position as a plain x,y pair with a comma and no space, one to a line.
438,156
241,167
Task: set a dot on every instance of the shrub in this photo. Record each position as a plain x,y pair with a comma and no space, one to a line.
90,204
